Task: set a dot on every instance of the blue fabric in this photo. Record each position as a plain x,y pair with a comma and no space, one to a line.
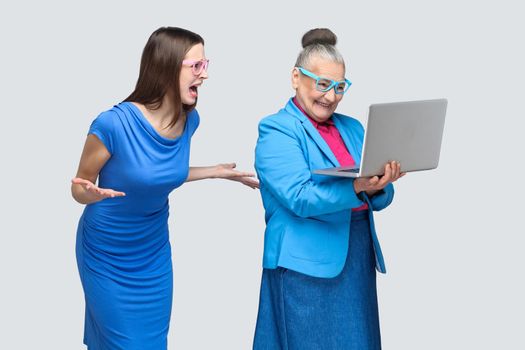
308,215
123,249
300,312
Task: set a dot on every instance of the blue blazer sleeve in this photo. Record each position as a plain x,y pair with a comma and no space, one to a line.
284,171
382,199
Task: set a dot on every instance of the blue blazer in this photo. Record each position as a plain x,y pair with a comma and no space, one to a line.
308,215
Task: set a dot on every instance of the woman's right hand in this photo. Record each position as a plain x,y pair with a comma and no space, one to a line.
374,184
95,193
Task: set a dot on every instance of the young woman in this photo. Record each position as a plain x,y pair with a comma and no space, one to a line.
139,151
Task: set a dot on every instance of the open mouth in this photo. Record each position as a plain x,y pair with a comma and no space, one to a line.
193,91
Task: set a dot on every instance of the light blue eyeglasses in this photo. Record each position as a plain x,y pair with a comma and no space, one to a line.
325,84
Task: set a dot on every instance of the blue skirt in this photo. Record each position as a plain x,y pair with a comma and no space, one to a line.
300,312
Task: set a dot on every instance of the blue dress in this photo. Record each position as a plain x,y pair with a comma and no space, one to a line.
123,249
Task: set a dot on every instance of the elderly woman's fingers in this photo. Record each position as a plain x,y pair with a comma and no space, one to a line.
395,170
400,176
398,170
372,182
385,179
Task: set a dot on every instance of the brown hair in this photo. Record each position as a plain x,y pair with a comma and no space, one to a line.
160,68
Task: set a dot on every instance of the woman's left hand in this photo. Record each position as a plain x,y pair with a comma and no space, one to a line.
227,171
372,185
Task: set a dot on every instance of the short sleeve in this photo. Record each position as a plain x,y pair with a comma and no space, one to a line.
103,127
193,121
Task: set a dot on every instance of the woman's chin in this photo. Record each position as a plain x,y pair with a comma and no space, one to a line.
323,113
322,117
188,100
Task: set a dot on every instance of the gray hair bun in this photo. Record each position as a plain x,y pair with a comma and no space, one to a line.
323,36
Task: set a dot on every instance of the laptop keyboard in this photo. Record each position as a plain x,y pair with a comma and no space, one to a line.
353,170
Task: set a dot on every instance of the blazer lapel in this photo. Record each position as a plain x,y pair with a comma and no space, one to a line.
312,132
350,142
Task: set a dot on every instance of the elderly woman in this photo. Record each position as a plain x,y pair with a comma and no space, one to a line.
318,288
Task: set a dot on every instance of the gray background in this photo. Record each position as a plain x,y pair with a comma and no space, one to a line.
452,239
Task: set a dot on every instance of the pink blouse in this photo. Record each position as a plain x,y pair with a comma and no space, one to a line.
330,134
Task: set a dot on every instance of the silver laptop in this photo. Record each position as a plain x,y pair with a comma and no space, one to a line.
407,132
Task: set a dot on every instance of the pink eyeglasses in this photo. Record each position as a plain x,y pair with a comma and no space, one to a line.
197,66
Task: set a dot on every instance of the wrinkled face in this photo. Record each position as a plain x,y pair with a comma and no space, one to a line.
189,82
318,105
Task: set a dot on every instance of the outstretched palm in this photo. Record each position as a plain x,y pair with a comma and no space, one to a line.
96,192
227,171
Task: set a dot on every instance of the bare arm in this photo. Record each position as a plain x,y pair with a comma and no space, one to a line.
222,171
93,158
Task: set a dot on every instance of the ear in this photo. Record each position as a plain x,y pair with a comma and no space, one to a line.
295,78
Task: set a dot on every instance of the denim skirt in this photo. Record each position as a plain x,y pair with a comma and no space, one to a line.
301,312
